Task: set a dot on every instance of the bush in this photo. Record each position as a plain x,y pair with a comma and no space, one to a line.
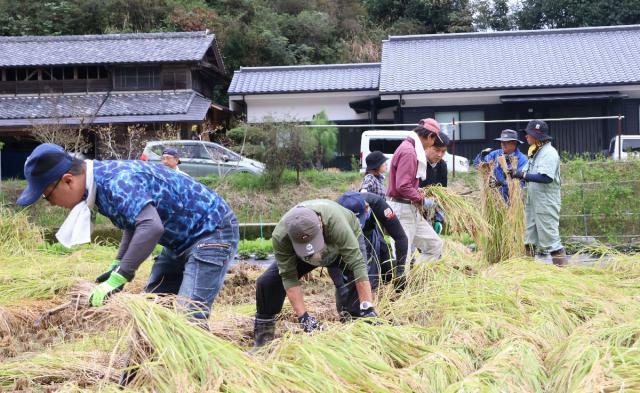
326,138
599,198
236,135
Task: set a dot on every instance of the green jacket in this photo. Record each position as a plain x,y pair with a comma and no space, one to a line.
341,230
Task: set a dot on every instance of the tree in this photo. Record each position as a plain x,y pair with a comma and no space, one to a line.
71,139
325,137
491,15
126,144
537,14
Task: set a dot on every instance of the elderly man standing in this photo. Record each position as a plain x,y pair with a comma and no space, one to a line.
543,200
509,149
408,167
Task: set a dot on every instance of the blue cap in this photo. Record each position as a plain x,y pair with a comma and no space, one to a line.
355,202
46,164
172,152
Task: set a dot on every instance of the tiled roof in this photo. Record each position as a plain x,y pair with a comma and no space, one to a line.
104,49
508,60
103,108
305,79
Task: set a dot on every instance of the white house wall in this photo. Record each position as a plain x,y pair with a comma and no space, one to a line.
302,107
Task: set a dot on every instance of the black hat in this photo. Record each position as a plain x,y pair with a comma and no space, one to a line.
539,130
508,135
375,159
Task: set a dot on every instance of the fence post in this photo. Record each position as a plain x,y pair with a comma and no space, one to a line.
453,147
619,138
584,213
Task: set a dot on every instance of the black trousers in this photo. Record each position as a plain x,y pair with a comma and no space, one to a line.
270,292
380,261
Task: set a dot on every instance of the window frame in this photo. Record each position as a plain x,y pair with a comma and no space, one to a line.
459,128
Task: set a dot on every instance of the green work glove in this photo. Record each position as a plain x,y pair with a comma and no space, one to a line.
437,226
114,284
105,276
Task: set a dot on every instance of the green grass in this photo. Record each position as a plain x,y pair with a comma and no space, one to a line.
246,181
608,192
252,246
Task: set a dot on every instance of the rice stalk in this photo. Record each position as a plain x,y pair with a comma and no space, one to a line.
461,214
17,235
505,236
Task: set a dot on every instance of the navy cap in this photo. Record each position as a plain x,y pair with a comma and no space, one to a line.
355,202
172,152
46,164
508,135
539,130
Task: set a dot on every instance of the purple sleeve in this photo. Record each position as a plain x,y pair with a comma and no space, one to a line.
405,177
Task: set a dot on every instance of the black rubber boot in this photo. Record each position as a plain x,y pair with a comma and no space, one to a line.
559,257
530,250
264,330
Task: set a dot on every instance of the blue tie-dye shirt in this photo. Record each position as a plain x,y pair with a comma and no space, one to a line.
187,208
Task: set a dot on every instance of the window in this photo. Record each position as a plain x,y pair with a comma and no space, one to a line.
147,77
32,74
630,145
174,79
463,131
10,75
56,73
92,72
68,73
137,78
386,145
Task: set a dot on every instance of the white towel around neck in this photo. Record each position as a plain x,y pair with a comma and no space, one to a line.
422,157
76,228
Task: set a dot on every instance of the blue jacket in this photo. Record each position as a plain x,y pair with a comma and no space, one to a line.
497,171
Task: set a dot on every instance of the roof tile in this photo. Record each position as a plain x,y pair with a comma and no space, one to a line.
104,49
506,60
307,79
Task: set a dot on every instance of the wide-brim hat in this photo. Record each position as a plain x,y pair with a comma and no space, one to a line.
508,135
539,130
305,231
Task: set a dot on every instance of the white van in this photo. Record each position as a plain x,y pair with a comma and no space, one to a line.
630,147
387,141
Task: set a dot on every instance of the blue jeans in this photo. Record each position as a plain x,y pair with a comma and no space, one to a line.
198,273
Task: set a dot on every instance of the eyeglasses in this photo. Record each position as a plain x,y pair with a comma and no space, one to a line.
46,197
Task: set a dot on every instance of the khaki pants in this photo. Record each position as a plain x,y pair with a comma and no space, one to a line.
420,233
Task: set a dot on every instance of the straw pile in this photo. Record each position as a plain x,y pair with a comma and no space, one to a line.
461,325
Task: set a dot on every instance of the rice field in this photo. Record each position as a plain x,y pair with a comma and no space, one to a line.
462,325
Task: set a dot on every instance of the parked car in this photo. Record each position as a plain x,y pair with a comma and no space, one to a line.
387,141
200,158
630,147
